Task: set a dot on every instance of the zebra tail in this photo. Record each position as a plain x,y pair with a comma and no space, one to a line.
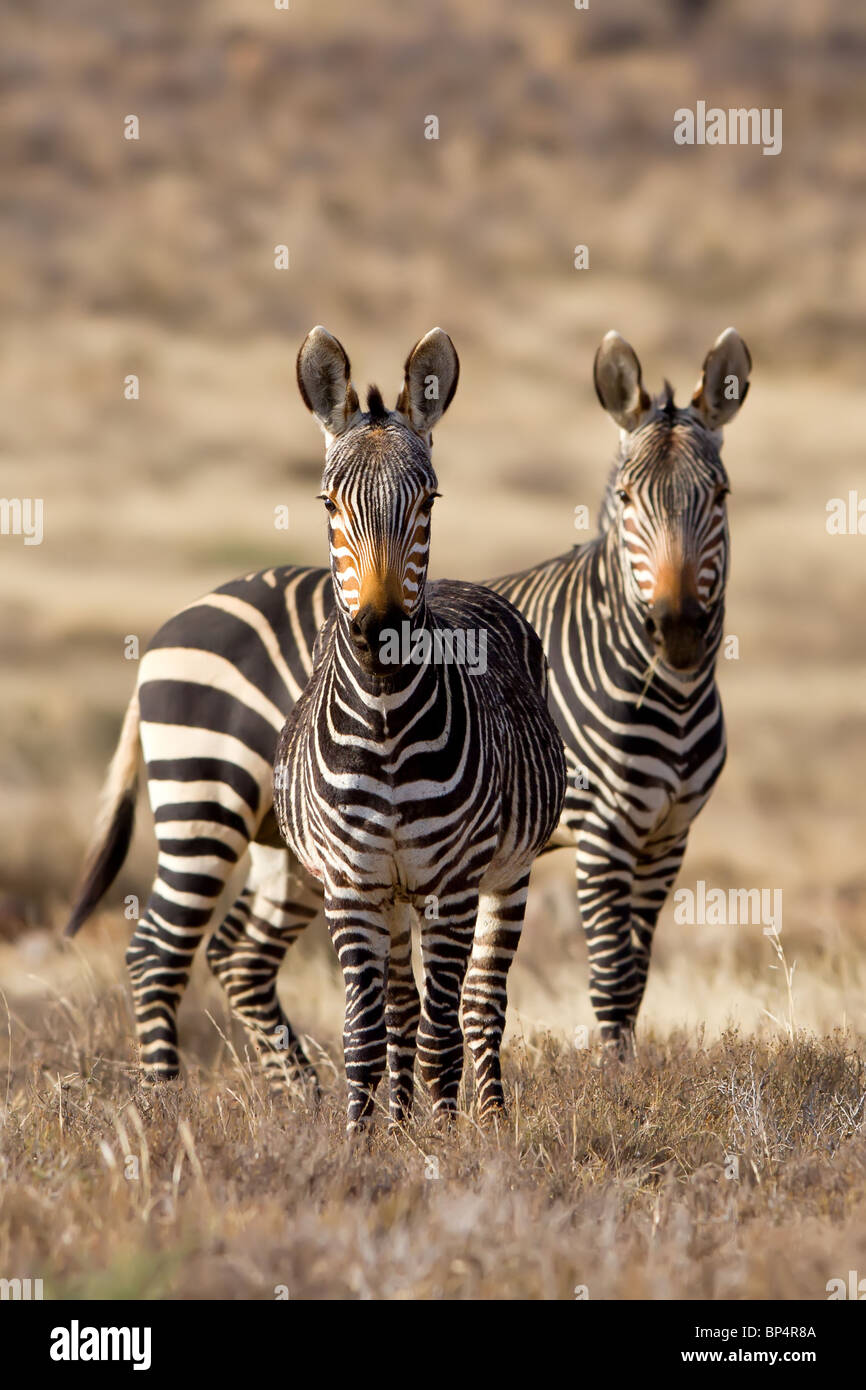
114,822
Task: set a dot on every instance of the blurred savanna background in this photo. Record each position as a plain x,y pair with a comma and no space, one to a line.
262,128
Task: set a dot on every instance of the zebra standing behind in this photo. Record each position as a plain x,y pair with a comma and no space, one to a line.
631,624
406,784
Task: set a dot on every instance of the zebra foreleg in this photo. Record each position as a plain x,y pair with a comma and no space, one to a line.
654,875
445,946
604,889
485,995
245,954
402,1012
361,937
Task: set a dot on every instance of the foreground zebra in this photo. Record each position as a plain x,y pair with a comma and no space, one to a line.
631,623
419,783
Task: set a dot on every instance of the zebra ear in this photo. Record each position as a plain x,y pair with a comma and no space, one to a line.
724,381
432,369
617,376
324,382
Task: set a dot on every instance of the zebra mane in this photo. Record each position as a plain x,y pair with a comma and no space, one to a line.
664,401
376,407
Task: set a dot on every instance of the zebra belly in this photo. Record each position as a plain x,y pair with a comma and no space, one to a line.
405,853
401,868
658,811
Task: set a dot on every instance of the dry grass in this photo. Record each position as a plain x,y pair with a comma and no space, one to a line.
260,127
608,1177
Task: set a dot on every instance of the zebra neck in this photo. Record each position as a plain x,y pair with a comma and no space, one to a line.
623,628
386,691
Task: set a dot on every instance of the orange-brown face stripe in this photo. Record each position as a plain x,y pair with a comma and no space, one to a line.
380,589
380,530
670,494
674,583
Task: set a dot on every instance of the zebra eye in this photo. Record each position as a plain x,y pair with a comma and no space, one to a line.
330,507
427,505
722,493
623,495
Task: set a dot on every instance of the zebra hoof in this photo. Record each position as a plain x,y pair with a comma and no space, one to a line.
360,1135
152,1081
157,1094
444,1118
399,1118
293,1084
618,1046
492,1117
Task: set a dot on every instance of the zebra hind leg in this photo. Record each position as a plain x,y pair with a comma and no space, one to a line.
245,954
161,950
402,1012
497,933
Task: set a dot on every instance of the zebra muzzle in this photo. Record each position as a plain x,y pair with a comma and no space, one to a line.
678,632
368,629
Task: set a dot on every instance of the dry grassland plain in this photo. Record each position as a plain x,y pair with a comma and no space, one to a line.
156,257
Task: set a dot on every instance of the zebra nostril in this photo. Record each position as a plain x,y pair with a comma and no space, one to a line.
651,625
702,623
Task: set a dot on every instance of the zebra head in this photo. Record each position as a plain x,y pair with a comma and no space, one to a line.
378,485
665,502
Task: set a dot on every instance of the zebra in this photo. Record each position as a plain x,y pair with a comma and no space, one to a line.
621,618
403,781
631,623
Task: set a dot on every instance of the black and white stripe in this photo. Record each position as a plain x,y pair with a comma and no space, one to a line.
631,624
425,784
647,739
